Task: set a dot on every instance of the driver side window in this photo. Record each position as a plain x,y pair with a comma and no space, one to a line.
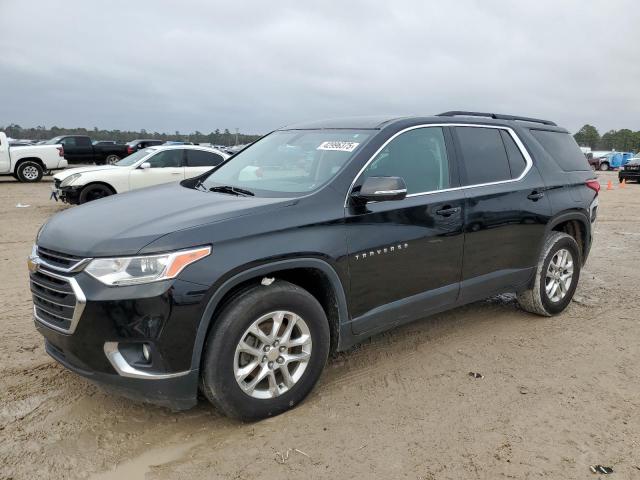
167,158
419,156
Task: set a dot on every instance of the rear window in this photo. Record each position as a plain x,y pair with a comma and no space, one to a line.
484,155
563,148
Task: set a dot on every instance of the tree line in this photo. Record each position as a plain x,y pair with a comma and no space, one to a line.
217,137
623,140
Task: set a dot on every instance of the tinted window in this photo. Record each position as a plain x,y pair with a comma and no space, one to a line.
83,142
418,156
200,158
517,163
167,158
68,142
484,155
563,148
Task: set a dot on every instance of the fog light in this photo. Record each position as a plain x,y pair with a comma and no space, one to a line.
146,352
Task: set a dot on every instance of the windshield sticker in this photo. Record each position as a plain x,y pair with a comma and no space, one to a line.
338,146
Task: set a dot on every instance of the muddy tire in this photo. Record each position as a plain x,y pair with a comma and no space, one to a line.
265,352
29,171
557,276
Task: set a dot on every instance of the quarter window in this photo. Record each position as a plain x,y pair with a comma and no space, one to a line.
167,158
484,155
418,156
200,158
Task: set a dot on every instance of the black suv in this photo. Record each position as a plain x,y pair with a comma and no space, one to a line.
240,282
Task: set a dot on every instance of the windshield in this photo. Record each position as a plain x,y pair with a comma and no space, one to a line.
133,158
289,161
53,141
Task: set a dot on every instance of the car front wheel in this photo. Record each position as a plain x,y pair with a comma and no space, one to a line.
265,351
94,192
556,277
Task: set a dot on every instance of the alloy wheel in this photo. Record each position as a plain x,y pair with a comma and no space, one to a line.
30,173
559,275
272,354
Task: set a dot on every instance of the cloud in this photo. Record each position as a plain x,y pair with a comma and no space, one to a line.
200,65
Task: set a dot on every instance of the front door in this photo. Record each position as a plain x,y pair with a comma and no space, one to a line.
405,255
164,167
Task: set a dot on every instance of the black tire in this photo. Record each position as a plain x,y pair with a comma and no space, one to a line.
536,300
604,166
29,171
111,159
218,381
94,191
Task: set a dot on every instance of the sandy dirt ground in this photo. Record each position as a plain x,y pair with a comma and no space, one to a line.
558,394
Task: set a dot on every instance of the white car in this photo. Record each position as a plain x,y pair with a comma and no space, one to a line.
144,168
29,163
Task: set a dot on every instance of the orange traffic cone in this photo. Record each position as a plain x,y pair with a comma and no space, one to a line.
623,183
609,185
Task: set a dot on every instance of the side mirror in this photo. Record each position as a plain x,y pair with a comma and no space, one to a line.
381,189
145,165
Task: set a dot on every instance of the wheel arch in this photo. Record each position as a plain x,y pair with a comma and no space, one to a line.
100,182
38,160
576,224
316,276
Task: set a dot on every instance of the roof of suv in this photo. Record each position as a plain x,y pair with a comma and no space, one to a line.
379,122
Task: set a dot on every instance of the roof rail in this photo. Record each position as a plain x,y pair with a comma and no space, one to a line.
497,116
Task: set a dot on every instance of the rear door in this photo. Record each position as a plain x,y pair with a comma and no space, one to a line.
71,152
165,166
201,161
84,150
405,255
506,211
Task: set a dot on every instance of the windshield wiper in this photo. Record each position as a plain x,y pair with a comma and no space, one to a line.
232,190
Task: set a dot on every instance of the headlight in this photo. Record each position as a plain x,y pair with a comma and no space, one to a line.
70,179
143,269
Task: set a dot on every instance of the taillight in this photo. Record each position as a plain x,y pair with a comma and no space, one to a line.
61,151
129,149
593,185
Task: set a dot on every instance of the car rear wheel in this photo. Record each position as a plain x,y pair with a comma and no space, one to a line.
29,171
604,166
265,352
94,191
556,277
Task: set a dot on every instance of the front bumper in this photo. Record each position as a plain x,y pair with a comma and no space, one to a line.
105,342
65,194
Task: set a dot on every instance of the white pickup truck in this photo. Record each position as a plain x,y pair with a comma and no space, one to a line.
29,164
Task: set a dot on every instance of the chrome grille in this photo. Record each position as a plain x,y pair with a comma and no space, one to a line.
57,300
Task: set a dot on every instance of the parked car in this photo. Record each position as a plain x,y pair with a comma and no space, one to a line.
241,281
151,166
29,163
611,160
135,145
80,149
631,171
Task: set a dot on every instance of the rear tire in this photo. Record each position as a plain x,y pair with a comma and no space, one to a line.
222,379
29,171
94,191
542,298
604,166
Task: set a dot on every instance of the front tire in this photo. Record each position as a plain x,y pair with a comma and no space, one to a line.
94,191
112,159
29,171
604,166
265,352
556,277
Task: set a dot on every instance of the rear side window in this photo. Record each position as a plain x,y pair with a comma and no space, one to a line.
517,163
563,148
83,142
484,155
200,158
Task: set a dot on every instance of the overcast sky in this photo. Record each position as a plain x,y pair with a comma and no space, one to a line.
258,65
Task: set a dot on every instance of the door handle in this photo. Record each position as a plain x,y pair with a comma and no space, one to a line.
447,211
535,195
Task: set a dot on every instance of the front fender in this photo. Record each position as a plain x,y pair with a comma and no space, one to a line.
260,271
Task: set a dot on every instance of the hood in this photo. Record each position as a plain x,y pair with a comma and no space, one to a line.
123,224
634,161
94,168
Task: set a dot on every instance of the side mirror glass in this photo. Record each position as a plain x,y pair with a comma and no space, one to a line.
381,189
145,165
